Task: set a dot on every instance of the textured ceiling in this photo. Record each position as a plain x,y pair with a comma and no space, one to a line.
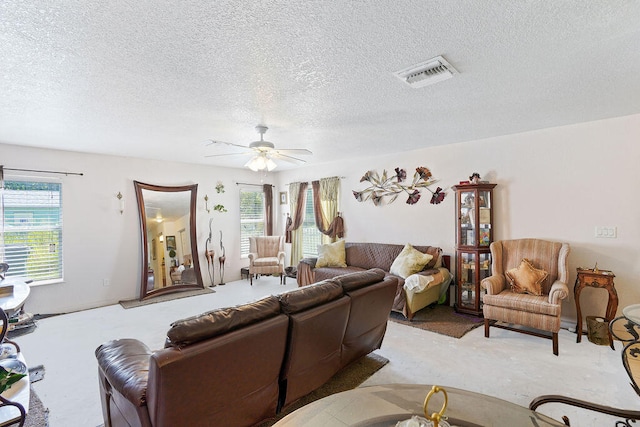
155,79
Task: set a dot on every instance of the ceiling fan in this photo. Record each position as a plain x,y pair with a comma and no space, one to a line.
263,152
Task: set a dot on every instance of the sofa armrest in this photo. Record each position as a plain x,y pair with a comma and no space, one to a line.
281,256
311,262
493,284
559,291
305,275
125,365
252,256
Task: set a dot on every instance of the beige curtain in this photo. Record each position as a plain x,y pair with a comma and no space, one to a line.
326,192
297,202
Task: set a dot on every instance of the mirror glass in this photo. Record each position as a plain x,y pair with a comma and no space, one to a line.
169,250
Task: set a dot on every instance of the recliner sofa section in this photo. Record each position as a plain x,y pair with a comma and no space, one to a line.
239,366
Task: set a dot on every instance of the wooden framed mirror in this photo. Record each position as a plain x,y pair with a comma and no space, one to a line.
168,231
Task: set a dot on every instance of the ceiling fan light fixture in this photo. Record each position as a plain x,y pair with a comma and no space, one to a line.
271,165
260,163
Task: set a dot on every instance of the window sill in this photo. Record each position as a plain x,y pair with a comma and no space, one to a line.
45,282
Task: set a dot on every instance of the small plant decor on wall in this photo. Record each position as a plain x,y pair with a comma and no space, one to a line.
388,187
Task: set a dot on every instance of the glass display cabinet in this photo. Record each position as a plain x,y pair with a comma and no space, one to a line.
474,234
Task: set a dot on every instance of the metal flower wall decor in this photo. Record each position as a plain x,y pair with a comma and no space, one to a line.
387,188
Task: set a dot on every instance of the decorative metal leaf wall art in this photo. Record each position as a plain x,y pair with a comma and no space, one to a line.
388,187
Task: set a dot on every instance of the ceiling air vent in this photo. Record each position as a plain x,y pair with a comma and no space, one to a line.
426,73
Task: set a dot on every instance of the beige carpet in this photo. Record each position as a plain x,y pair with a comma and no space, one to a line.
163,298
347,379
441,319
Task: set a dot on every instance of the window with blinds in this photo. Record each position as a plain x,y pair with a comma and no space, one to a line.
311,236
31,229
251,217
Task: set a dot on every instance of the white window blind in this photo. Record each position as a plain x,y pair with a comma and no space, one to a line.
311,236
31,229
251,217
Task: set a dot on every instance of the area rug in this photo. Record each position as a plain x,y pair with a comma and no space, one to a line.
38,415
347,379
441,319
132,303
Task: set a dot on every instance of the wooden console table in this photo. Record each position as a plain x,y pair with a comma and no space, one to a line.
595,279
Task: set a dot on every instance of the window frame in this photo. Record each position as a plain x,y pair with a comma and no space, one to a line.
29,220
243,234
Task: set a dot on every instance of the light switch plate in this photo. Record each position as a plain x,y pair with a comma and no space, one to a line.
605,231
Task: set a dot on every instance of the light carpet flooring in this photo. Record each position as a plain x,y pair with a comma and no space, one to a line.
511,366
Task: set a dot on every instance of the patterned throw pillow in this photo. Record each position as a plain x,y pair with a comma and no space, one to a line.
526,279
331,255
409,261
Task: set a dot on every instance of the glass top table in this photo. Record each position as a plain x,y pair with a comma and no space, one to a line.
385,405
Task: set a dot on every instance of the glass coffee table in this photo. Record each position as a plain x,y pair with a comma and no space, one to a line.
385,405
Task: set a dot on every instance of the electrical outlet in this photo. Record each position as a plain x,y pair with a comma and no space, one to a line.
106,282
607,232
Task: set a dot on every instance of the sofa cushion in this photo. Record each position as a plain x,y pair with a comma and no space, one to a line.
309,296
352,281
217,322
265,262
382,255
409,261
331,255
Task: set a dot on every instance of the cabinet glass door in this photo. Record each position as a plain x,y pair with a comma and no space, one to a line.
485,271
467,280
484,218
467,218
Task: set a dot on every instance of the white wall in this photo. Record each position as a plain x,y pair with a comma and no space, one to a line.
99,243
554,184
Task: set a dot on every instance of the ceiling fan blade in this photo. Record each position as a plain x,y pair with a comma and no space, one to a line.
214,142
286,158
296,151
228,154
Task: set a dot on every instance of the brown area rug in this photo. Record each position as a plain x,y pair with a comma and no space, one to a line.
163,298
441,319
347,379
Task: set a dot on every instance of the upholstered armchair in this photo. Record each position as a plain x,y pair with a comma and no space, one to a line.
266,256
509,299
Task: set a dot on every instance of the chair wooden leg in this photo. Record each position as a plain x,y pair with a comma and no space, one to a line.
554,338
251,279
486,328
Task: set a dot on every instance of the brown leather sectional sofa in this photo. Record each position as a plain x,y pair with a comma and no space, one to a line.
241,365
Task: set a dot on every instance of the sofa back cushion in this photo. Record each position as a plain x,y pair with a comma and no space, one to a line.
382,255
229,380
266,246
360,279
541,254
368,316
314,347
217,322
309,296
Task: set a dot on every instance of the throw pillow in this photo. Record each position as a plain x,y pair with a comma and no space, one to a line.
526,279
331,255
409,261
